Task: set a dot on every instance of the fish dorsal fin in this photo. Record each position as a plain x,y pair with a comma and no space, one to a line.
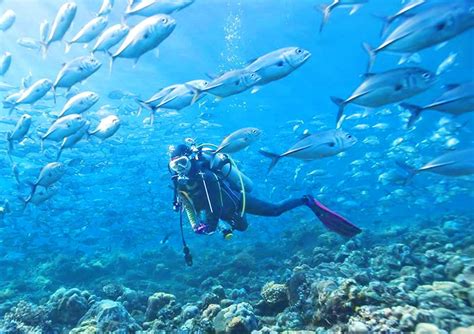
451,86
247,63
441,164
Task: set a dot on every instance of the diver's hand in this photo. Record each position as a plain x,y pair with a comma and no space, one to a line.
201,228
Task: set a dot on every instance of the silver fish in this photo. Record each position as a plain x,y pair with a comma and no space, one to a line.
76,71
44,31
238,140
7,20
230,83
73,139
79,103
106,7
5,62
278,64
433,26
64,127
456,163
316,146
89,32
110,37
107,127
458,99
35,92
145,36
49,174
401,13
40,195
61,24
327,9
29,43
153,7
388,87
20,131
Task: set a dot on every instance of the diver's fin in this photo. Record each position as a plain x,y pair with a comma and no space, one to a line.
415,112
275,158
332,220
341,104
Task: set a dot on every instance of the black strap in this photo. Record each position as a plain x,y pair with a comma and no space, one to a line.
188,258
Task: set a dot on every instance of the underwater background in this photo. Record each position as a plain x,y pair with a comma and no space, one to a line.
104,253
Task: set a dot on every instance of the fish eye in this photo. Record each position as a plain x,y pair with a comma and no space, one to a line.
426,75
164,20
298,51
348,136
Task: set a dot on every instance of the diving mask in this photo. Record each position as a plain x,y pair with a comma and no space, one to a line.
180,165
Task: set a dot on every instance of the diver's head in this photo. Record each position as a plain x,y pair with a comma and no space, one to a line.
180,161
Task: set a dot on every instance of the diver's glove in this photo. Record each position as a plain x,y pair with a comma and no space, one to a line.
201,228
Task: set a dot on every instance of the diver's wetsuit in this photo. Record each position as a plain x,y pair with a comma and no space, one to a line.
223,201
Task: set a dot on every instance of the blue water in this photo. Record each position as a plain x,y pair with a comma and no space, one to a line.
115,201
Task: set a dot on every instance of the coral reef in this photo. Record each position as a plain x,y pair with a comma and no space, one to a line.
421,281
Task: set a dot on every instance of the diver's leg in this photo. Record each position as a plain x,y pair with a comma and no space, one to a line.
255,206
239,223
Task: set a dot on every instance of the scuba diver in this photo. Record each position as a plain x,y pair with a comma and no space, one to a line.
209,187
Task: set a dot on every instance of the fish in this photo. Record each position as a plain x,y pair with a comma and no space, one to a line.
110,37
238,140
89,32
327,9
5,87
7,20
29,43
5,62
61,24
153,7
402,12
64,127
447,63
433,26
19,132
455,163
49,174
107,127
40,195
33,93
316,146
79,103
75,71
230,83
73,139
387,87
44,31
456,100
145,36
106,7
174,97
278,64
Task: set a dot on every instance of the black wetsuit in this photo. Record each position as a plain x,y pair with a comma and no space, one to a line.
223,201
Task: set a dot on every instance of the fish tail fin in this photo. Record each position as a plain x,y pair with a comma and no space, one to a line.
44,49
54,93
372,54
67,48
42,145
341,104
411,171
10,143
273,156
111,64
12,107
326,12
197,92
415,112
